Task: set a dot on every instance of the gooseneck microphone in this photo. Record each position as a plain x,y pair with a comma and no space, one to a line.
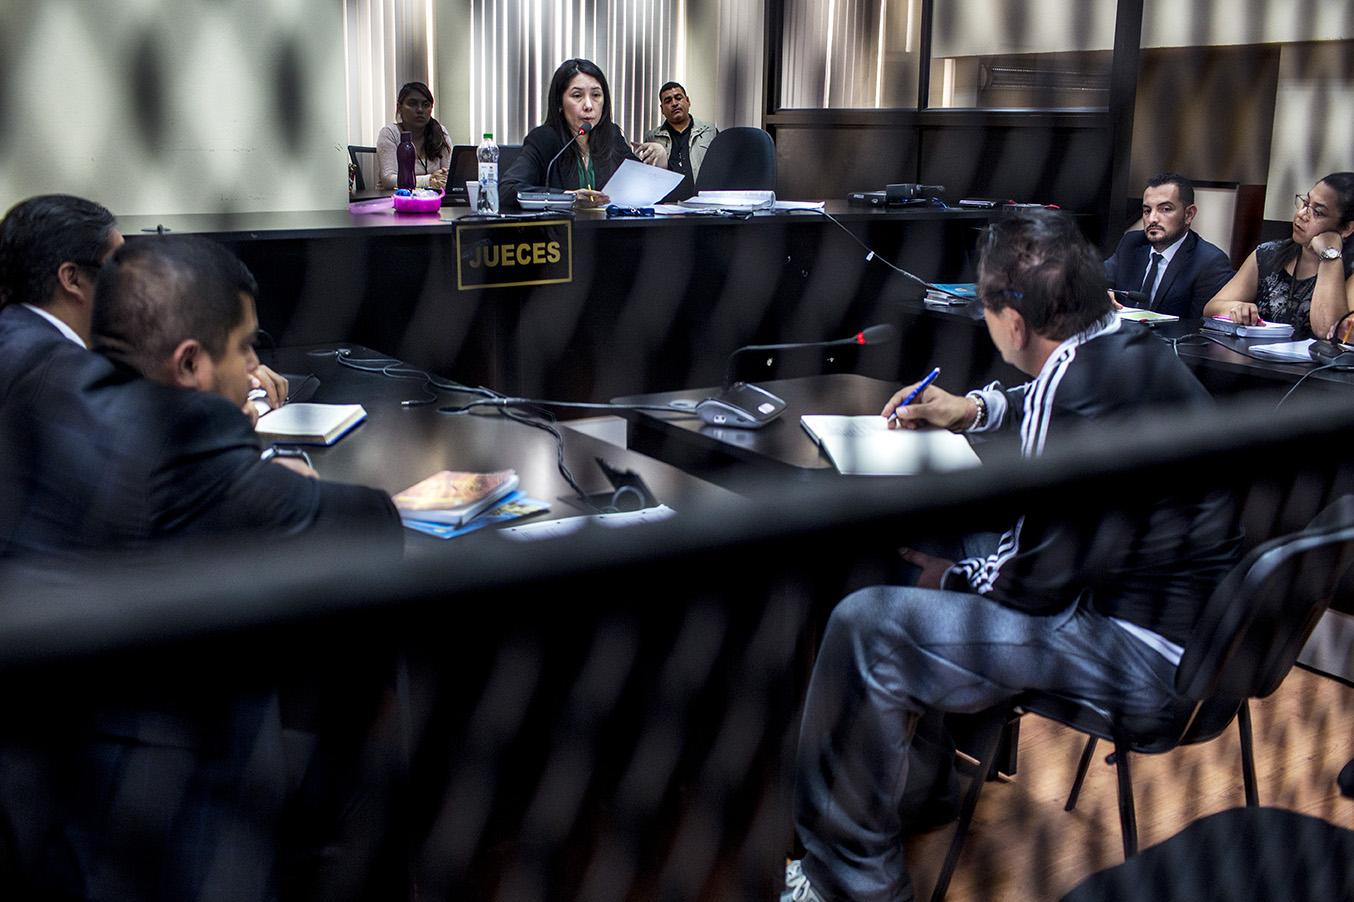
584,129
879,334
747,406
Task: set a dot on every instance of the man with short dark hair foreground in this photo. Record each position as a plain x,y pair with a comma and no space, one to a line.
1062,604
1166,260
152,787
100,458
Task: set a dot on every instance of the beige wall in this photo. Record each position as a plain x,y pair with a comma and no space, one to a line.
174,106
988,27
724,65
1313,121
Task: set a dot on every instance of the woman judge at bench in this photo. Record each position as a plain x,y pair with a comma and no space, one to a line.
1305,280
432,144
579,101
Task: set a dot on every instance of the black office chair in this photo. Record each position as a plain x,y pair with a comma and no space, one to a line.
1241,853
739,159
364,158
1246,640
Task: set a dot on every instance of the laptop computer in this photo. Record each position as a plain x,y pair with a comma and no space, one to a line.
465,167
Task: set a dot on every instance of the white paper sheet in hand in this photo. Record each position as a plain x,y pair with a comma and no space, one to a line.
638,185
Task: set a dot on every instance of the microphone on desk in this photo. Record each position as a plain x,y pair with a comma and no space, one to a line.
746,406
879,334
1132,299
583,130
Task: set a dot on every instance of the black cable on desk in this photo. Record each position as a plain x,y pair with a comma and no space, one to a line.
870,252
1344,367
505,401
542,419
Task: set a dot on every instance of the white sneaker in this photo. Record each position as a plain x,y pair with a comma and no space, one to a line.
797,886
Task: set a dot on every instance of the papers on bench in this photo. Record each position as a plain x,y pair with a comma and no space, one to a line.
732,200
637,185
865,446
1139,315
553,529
1285,351
1259,330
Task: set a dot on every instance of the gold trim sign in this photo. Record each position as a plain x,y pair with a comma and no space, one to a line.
506,254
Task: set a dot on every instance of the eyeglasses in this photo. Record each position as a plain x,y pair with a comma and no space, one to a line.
1301,203
1000,297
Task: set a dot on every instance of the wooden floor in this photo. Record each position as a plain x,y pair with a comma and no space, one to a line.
1024,846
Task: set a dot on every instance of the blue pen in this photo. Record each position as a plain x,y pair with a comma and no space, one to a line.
912,395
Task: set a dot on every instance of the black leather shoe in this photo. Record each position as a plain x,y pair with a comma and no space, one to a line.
1346,780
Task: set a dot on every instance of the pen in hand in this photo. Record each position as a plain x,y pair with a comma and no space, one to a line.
915,393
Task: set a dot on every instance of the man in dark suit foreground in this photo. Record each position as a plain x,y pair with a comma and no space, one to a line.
149,787
1165,260
100,458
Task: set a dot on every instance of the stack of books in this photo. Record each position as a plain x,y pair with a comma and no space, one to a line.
452,503
950,294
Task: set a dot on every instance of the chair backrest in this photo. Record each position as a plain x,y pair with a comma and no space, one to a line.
1256,622
740,158
365,160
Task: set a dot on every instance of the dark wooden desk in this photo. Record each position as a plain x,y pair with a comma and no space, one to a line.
654,305
1222,363
397,446
749,461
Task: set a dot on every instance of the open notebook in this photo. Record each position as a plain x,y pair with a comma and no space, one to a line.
865,446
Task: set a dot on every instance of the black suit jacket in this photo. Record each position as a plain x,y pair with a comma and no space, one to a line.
1196,273
137,787
97,458
528,171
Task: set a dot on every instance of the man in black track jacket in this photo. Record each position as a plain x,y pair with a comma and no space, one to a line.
1063,603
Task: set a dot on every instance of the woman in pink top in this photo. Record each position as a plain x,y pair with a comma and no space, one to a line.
432,143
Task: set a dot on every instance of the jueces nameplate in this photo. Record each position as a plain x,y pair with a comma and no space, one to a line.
504,254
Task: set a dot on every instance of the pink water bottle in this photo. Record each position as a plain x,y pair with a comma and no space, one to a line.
404,155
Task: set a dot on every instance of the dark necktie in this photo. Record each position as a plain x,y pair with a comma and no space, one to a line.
1149,283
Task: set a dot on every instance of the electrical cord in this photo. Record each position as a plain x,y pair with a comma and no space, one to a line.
505,401
1342,367
540,419
1188,338
870,252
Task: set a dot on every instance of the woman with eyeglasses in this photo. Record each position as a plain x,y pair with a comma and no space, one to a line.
432,143
1304,280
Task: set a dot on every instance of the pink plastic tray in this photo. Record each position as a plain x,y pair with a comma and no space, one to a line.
418,204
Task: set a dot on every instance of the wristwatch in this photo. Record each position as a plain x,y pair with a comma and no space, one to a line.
1330,253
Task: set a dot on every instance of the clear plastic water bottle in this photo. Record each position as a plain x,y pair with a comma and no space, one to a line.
488,157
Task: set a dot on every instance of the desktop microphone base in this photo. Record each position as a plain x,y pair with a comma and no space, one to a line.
742,406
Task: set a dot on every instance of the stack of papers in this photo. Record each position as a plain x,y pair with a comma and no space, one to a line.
732,200
1285,351
553,529
1259,330
951,294
636,185
865,446
1138,315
